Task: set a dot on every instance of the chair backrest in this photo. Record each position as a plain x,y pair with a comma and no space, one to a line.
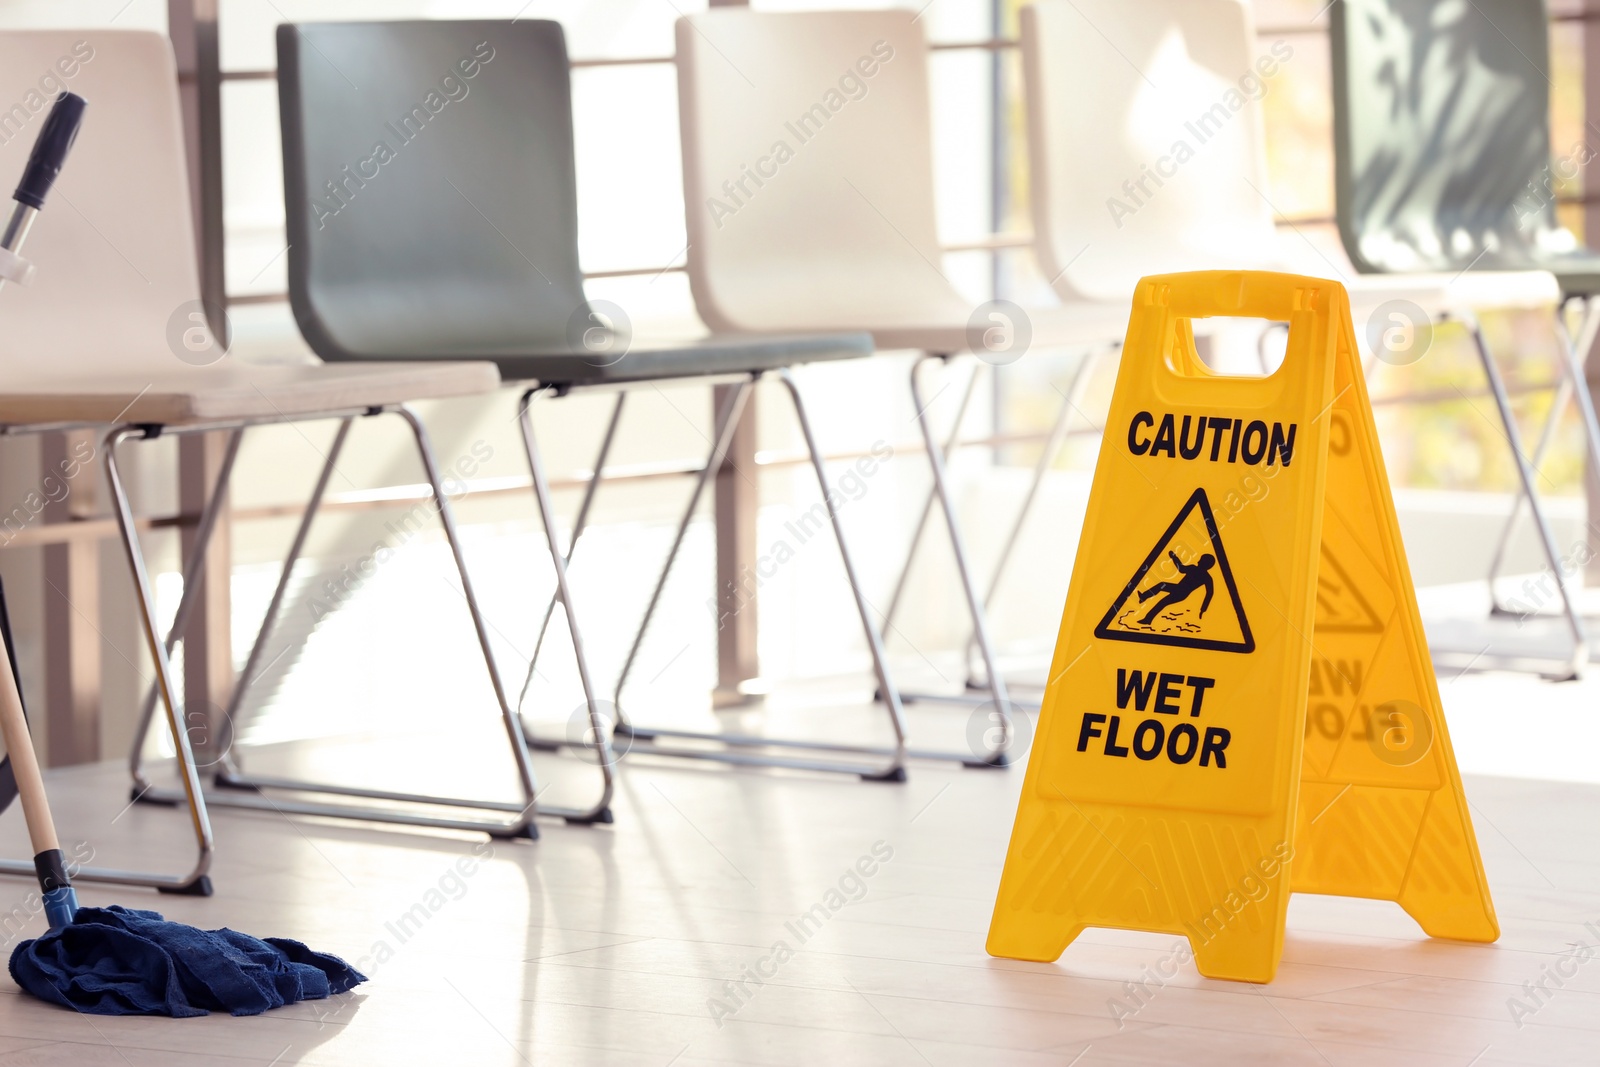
1145,140
1442,134
808,168
114,246
429,187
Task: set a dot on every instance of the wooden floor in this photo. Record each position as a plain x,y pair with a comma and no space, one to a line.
622,944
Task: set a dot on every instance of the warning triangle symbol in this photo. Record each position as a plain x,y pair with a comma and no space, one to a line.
1341,609
1183,593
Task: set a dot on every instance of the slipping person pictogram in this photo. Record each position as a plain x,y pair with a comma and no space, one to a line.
1341,607
1184,609
1195,575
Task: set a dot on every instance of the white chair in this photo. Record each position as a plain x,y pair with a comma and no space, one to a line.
808,180
1146,148
107,336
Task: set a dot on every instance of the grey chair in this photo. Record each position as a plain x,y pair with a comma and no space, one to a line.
1443,162
432,214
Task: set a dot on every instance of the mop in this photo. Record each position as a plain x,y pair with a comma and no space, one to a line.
115,960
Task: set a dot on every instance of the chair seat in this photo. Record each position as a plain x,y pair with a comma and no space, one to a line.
1493,278
230,391
1507,285
655,359
946,326
1578,271
1082,323
1064,326
1471,290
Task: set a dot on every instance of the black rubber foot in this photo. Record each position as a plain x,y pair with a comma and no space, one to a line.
200,887
531,832
604,817
223,781
896,775
147,795
622,729
998,762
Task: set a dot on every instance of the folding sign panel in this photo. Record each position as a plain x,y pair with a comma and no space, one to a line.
1381,809
1240,556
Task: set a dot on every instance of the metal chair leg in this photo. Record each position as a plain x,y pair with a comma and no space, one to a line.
180,620
521,822
600,730
1573,384
1047,458
1527,475
965,700
727,423
746,749
880,667
245,791
1558,408
950,444
196,882
578,525
980,627
252,664
1576,352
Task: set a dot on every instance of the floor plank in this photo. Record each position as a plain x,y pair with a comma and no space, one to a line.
652,942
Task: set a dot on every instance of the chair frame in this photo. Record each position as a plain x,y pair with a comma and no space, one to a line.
1572,386
235,788
1054,442
197,881
1527,475
870,763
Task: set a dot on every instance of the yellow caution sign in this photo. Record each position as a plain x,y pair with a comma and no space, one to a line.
1240,620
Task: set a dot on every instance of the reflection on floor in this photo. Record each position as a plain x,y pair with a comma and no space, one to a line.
749,917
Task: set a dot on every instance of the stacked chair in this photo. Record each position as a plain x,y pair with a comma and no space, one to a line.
465,247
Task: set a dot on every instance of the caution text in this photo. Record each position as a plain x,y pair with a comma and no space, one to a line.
1211,438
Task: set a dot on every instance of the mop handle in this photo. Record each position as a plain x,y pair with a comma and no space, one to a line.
50,150
60,902
25,763
44,166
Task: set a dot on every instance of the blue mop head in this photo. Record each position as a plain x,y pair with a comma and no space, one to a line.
121,961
